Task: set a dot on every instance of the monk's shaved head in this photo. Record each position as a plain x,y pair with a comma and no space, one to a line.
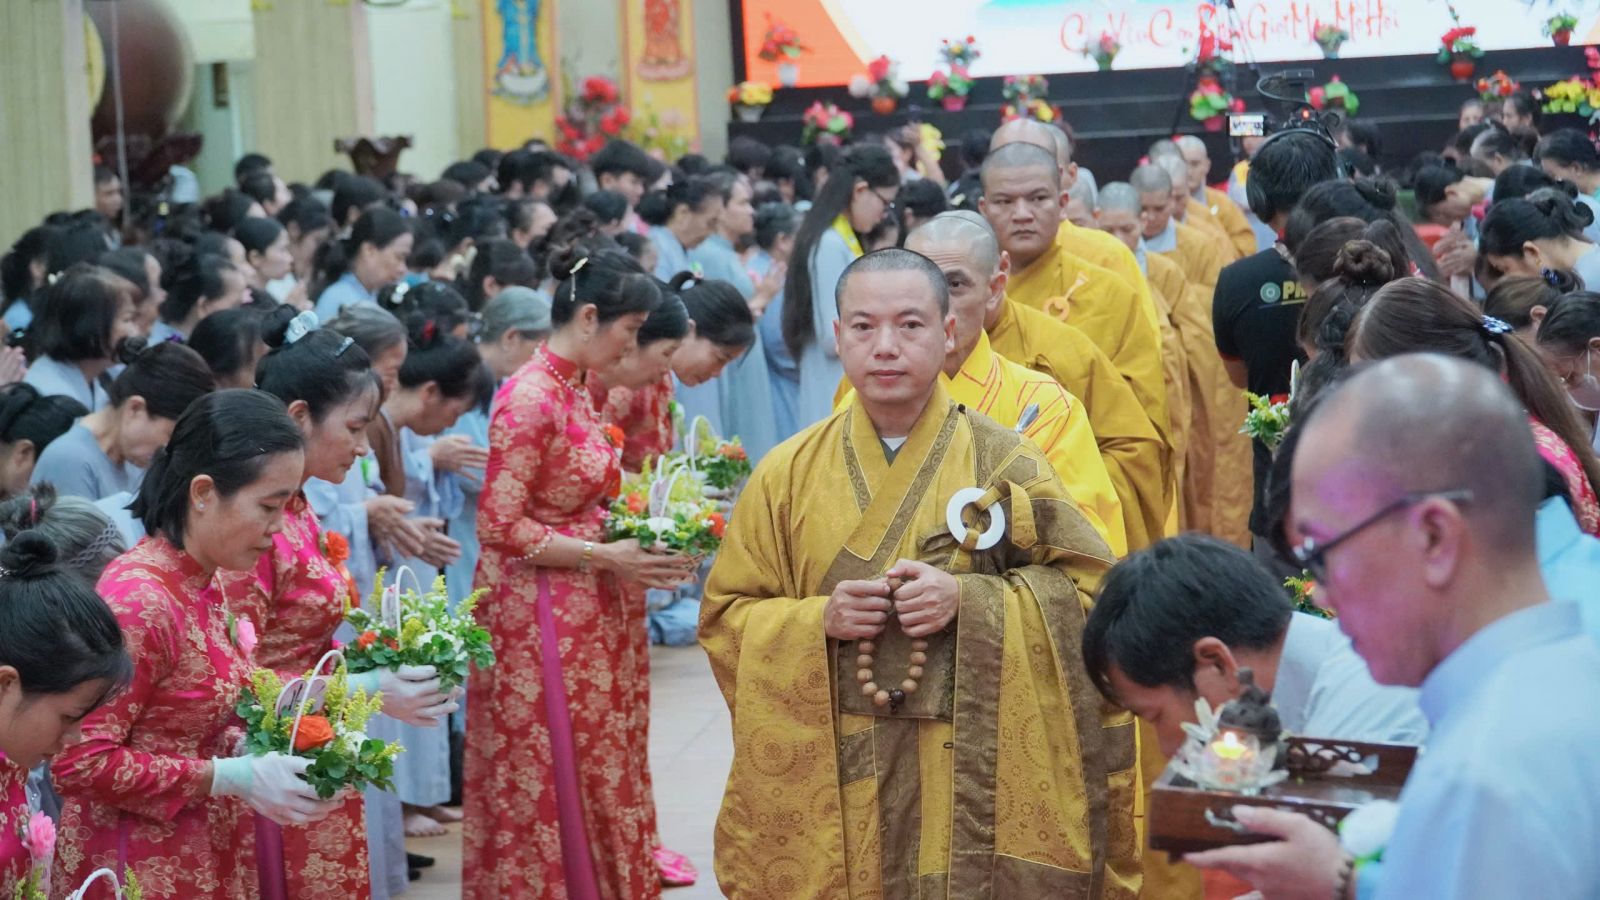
959,228
1426,422
1164,148
1188,143
1119,196
1174,166
1032,131
1151,179
1019,156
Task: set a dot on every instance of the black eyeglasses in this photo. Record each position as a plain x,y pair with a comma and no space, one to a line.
888,202
1313,555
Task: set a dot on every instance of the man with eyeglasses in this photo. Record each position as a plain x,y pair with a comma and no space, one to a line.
1415,488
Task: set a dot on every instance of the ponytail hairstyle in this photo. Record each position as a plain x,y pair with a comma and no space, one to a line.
1412,315
320,367
1545,214
168,376
1431,185
228,435
199,277
657,207
1514,299
1572,322
54,628
608,206
27,415
1360,267
374,330
435,355
667,322
356,192
378,226
227,340
1515,146
1320,250
504,261
609,279
773,221
435,301
223,212
1517,182
84,536
719,312
870,163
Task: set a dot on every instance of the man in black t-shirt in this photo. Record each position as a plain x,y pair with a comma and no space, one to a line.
1255,311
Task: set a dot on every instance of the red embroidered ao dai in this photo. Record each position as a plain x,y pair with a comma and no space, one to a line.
556,803
14,811
645,417
296,599
137,788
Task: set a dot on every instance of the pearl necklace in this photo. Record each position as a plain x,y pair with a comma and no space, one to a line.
544,360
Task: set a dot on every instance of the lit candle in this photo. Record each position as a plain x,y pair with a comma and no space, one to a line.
1229,746
1230,761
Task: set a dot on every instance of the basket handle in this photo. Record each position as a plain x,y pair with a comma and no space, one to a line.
96,875
305,699
391,594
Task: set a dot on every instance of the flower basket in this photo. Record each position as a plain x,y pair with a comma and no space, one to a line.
1104,51
1497,86
414,628
954,102
1334,95
591,119
1463,67
882,83
781,44
826,121
321,718
1459,50
950,89
724,463
665,508
749,99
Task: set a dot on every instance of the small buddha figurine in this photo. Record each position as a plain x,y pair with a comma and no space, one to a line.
1252,712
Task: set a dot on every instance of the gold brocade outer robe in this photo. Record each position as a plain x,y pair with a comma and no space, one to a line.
1024,789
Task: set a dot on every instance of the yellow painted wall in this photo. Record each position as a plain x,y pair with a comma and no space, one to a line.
44,113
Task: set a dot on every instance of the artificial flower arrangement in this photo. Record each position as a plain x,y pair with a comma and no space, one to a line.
593,117
1458,49
36,886
1330,38
1497,86
882,83
1210,102
1025,98
723,462
951,89
1334,95
665,508
415,628
1267,419
1558,28
781,42
660,134
826,122
321,718
750,99
1303,590
1576,94
1104,50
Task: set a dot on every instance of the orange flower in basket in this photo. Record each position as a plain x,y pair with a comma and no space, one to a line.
732,451
315,731
636,503
366,640
616,436
337,550
718,525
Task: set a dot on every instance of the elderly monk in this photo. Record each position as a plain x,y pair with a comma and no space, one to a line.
1415,487
1215,498
1023,201
1079,238
1196,251
894,620
1197,160
976,271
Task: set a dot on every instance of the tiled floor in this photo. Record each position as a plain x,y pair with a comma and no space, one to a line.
690,749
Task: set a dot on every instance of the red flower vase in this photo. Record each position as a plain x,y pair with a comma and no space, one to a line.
1462,69
1561,38
884,105
1214,123
954,102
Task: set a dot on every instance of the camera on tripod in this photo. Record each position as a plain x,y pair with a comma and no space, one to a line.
1287,109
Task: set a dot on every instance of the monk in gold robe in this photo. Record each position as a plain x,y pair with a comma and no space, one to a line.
1185,209
1222,208
976,271
985,765
1023,202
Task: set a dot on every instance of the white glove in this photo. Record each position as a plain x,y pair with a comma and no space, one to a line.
411,694
272,785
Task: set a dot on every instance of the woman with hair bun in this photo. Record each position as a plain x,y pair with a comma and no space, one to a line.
681,218
61,657
553,609
1522,301
1541,232
1360,269
1416,316
155,786
201,285
354,268
30,422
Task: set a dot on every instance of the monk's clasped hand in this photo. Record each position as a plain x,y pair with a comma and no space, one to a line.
926,599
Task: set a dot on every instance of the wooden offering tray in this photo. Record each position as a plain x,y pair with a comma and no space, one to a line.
1183,818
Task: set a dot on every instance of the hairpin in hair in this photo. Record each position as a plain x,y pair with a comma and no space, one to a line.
1495,326
52,278
429,329
578,266
1550,277
343,347
33,511
398,292
95,548
300,326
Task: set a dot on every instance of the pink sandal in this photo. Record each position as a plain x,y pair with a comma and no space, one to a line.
676,870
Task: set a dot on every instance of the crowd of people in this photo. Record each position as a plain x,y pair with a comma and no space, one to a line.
991,396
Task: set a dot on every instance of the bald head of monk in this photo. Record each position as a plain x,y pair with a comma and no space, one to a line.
1178,172
964,248
1023,200
1039,134
1414,492
1155,197
1119,213
1197,158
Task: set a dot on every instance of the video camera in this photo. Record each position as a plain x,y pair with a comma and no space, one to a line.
1287,109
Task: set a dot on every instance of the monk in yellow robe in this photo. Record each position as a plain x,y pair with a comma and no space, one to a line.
976,271
1023,201
1218,203
1185,209
985,765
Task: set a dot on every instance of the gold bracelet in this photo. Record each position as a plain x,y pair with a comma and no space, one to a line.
587,558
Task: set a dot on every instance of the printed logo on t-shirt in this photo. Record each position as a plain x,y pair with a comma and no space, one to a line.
1271,292
1274,292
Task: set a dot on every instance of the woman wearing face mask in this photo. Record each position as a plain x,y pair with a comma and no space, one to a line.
1569,338
108,450
355,268
297,598
83,319
154,786
61,656
681,218
553,609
